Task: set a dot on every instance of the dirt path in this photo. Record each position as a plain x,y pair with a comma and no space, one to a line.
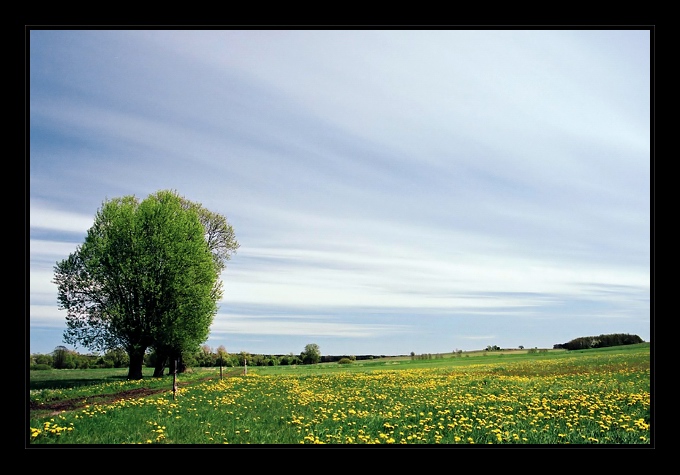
56,407
53,408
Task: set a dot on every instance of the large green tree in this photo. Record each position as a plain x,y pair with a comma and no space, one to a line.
220,238
145,277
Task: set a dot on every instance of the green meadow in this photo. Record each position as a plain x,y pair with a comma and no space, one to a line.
586,397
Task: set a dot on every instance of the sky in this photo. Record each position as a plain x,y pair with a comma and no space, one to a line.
392,190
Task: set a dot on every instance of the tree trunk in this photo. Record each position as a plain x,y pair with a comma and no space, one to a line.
136,364
176,363
161,358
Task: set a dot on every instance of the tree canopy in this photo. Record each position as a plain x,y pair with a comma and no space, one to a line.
311,354
147,276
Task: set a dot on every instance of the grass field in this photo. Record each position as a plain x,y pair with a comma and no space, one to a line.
583,397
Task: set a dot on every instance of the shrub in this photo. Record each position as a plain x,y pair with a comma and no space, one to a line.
40,367
345,361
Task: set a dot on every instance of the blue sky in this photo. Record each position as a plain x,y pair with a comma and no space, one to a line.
393,191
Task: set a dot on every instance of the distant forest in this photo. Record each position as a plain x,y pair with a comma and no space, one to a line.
602,341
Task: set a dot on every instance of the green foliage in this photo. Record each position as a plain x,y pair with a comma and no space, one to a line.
601,341
146,276
40,367
62,358
42,359
116,358
311,354
189,359
289,360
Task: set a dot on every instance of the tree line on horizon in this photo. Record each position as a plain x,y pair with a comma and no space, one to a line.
601,341
63,358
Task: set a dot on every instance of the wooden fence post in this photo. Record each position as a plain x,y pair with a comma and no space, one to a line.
174,380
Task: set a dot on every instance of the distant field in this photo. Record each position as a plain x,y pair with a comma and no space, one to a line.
557,397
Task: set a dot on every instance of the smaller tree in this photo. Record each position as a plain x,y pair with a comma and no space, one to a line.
244,357
311,355
118,357
62,358
221,355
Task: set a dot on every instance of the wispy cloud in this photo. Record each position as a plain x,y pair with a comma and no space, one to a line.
390,189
